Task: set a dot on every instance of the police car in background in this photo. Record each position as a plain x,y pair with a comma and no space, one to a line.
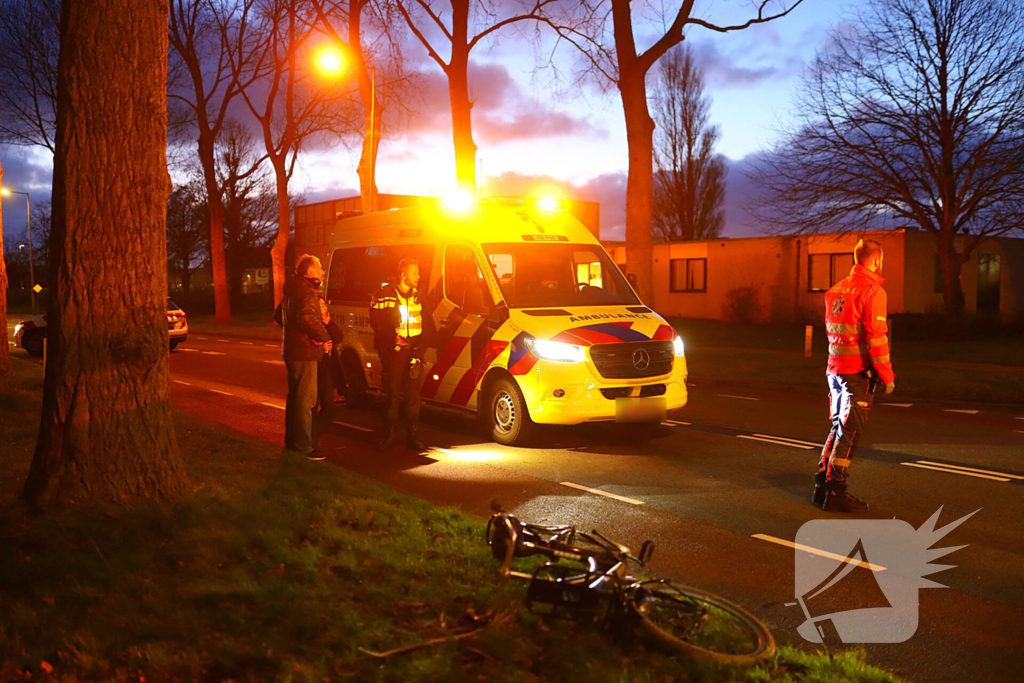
29,334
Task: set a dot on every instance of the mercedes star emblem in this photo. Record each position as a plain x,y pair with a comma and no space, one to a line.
641,359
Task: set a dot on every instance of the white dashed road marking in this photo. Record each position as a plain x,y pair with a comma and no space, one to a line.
965,412
745,398
771,440
346,424
948,470
218,391
602,493
897,405
796,441
272,405
275,362
272,345
971,469
213,353
203,338
178,381
226,341
246,343
822,553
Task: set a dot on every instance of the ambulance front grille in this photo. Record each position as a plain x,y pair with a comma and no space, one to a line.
616,361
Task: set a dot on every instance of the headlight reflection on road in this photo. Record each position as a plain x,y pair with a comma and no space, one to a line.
469,455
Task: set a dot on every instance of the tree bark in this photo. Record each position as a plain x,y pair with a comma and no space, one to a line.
106,436
280,248
640,183
6,372
218,262
462,121
949,265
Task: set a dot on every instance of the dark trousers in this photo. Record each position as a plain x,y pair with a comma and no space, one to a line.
399,373
325,396
850,398
298,412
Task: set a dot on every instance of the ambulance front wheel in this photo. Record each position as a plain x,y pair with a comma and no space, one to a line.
356,395
507,414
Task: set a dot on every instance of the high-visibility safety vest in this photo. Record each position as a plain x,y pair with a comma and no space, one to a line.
404,313
855,323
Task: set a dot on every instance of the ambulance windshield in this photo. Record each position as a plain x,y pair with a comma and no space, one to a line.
548,274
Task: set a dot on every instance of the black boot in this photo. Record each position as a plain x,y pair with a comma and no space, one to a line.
412,442
838,500
819,489
389,442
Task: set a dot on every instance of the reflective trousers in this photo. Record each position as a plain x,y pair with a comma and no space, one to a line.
401,374
850,398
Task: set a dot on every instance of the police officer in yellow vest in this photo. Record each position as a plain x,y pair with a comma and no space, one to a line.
402,334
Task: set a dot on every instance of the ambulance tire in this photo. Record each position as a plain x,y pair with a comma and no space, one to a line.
356,395
507,414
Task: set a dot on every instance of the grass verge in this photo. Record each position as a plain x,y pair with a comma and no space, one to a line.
970,369
277,568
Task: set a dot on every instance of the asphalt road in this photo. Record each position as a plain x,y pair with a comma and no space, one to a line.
721,490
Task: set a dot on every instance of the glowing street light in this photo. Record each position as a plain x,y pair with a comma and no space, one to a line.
31,261
330,62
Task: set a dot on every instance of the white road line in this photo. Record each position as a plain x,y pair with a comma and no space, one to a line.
346,424
1020,418
897,405
203,338
745,398
822,553
602,493
178,381
275,362
971,469
226,341
679,422
213,353
965,412
272,345
786,438
272,405
949,471
218,391
246,343
772,441
190,350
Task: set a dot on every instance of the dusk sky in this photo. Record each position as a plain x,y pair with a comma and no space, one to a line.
537,135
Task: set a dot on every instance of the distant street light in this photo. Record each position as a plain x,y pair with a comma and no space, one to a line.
31,261
332,63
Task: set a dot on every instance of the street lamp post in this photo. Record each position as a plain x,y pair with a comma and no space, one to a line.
332,63
31,260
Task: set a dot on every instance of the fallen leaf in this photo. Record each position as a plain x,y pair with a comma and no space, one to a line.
46,666
369,515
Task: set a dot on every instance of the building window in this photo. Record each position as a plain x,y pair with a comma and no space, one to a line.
688,275
824,270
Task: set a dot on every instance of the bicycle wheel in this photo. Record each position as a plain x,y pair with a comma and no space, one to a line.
700,624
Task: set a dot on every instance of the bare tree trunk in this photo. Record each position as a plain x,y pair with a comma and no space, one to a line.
371,110
462,122
280,248
952,291
218,262
639,185
6,372
106,435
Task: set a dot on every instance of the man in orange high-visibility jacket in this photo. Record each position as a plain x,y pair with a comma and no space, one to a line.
858,363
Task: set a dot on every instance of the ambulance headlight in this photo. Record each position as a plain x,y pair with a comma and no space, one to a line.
677,346
555,351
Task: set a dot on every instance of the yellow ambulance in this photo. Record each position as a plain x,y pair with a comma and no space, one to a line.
535,322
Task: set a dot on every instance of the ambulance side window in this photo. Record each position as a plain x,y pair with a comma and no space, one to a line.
357,272
464,283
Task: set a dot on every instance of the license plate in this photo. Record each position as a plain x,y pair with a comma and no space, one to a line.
636,409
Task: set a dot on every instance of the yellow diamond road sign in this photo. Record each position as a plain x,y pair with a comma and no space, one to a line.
37,289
